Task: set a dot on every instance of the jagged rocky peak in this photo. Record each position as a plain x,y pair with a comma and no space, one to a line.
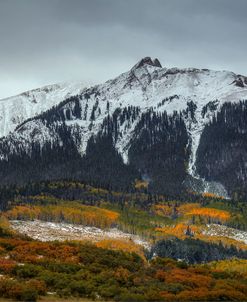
240,81
148,61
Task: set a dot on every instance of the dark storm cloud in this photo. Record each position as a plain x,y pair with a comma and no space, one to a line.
49,41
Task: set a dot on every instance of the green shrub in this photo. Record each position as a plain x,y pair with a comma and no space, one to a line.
27,271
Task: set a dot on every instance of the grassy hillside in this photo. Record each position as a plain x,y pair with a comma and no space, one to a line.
121,270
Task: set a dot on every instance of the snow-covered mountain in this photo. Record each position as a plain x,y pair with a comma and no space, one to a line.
148,106
15,110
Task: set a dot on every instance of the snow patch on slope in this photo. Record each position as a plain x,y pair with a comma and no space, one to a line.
51,231
224,231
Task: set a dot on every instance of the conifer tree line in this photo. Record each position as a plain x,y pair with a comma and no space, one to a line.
158,150
222,153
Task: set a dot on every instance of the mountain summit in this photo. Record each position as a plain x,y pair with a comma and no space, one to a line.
147,61
180,129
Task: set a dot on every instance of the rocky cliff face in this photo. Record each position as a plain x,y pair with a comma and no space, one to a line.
176,128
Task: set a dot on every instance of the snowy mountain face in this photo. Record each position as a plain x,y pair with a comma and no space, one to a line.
150,122
15,110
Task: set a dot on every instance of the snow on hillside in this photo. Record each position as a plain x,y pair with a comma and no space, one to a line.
51,231
224,231
15,110
164,90
147,85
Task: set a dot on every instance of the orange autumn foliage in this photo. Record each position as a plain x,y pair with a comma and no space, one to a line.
36,251
159,279
197,283
178,230
163,210
214,214
23,212
187,278
78,214
204,294
167,209
121,274
124,245
211,195
187,207
6,265
191,209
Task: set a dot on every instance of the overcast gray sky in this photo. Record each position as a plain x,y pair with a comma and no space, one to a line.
49,41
